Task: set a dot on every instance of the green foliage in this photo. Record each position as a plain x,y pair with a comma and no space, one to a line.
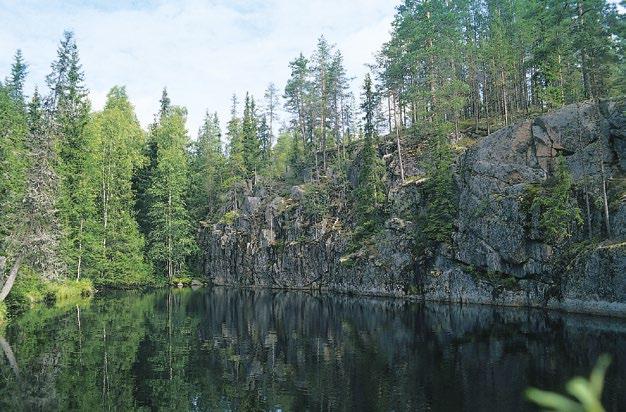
369,192
236,158
170,239
297,160
317,95
494,61
281,154
439,188
559,213
251,144
71,289
69,108
113,243
31,289
229,217
15,82
316,200
586,392
3,314
183,280
207,169
13,131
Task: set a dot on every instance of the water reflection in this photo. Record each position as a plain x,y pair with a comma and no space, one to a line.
229,349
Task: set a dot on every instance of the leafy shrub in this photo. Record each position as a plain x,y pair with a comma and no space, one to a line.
587,392
184,280
30,289
316,199
71,289
229,217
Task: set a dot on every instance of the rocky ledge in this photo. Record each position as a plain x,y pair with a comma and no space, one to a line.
498,253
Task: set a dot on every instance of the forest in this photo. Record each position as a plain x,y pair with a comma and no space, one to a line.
90,199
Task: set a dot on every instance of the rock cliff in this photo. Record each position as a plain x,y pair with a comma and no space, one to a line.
498,253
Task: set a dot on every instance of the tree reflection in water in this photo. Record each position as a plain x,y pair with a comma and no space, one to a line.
268,350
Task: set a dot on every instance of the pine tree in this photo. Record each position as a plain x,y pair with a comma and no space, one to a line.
271,109
297,98
494,61
322,60
116,140
170,238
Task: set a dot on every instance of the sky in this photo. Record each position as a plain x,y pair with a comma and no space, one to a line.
203,51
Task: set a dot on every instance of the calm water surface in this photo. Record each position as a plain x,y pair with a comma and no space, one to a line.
227,349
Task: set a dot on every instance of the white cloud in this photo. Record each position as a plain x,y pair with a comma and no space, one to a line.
203,51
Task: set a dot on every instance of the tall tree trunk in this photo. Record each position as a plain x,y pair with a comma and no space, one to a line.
324,106
80,249
170,257
505,109
607,219
8,352
399,147
561,82
169,333
105,368
487,108
584,59
431,74
389,112
8,284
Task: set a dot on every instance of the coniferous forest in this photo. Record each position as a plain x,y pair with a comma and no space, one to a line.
444,231
91,196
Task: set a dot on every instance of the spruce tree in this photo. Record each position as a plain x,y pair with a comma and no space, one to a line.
440,189
170,239
15,82
207,169
142,177
236,159
69,109
251,143
369,193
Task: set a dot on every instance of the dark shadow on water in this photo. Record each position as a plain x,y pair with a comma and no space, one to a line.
230,349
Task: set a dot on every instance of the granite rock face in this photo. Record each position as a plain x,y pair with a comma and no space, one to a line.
498,254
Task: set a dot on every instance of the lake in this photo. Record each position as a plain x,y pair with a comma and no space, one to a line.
230,349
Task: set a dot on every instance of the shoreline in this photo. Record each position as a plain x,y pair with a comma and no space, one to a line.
570,306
